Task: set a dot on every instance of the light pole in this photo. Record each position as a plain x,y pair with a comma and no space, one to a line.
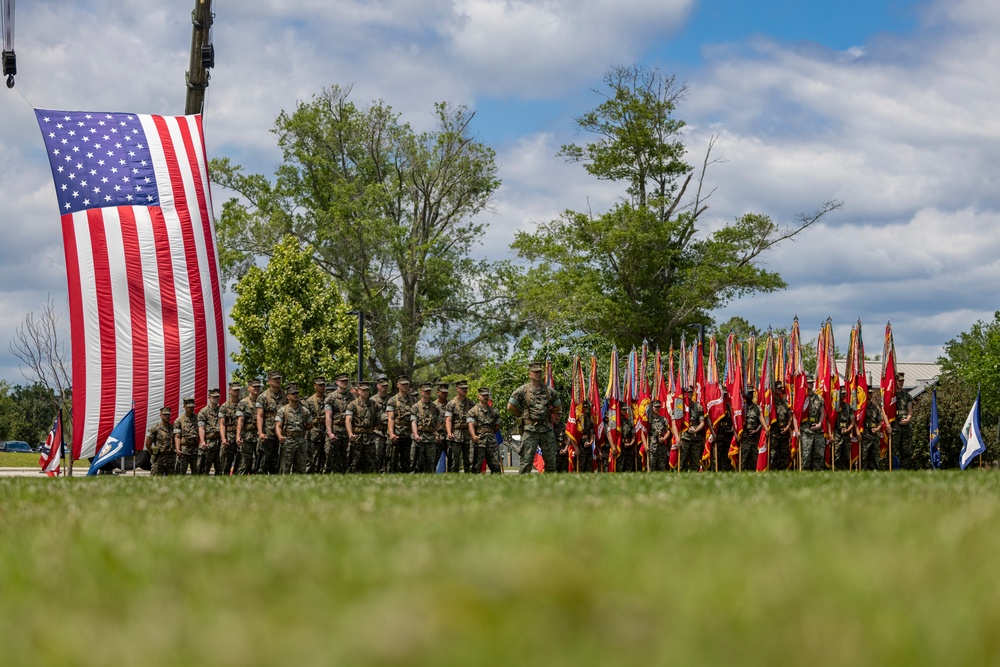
361,342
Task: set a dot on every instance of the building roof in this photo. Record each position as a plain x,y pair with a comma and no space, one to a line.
918,374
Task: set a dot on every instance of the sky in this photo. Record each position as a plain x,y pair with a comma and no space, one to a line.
886,105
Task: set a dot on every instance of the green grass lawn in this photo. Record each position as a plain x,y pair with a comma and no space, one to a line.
773,569
16,460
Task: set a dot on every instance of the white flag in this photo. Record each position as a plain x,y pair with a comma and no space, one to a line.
971,436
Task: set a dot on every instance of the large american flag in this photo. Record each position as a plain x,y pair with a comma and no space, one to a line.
143,267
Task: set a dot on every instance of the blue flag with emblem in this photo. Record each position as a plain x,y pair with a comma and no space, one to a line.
973,439
120,443
935,439
442,464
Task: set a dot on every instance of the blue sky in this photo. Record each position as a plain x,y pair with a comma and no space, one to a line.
889,106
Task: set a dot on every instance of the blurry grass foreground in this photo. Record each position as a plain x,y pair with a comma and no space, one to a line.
869,569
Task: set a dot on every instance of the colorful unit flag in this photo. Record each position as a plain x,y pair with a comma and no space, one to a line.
120,443
973,439
935,435
142,264
51,452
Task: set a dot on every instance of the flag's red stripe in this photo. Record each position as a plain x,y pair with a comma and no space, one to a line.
191,254
168,312
78,338
213,268
137,306
106,323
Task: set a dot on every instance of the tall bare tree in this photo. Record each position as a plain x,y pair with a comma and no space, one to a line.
44,357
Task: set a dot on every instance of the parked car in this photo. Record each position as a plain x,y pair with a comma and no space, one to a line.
19,446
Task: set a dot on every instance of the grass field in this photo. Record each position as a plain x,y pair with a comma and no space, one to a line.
871,569
16,460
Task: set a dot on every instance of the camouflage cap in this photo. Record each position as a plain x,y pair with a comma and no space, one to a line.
165,408
403,379
443,386
189,400
292,388
364,385
214,393
426,386
320,380
484,391
382,382
656,404
254,383
274,375
810,377
536,366
343,376
462,384
778,384
235,385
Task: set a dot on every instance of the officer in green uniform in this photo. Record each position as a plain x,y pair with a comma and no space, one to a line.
267,441
657,440
562,446
628,454
381,434
483,421
315,452
585,457
186,439
457,426
693,437
811,437
398,410
902,435
844,430
441,435
336,431
539,406
751,433
361,418
723,436
291,424
227,429
425,416
160,443
875,421
781,455
246,428
209,436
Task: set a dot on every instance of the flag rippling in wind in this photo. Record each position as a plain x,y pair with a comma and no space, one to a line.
51,452
142,265
971,436
120,443
935,434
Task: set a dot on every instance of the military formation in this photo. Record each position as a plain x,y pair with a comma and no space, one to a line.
347,429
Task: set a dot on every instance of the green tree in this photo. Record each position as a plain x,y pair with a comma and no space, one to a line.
35,406
973,357
645,268
289,317
391,215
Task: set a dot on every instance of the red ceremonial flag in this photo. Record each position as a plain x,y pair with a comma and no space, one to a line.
888,384
595,407
733,380
674,405
612,400
51,452
767,410
574,422
715,409
142,263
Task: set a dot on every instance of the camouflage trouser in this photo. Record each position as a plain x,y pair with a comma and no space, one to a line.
748,452
163,464
423,452
459,455
902,446
585,458
294,455
362,453
628,460
690,454
841,452
720,450
869,451
247,455
315,454
267,456
229,455
659,457
489,451
210,459
813,449
188,458
780,453
531,441
381,454
398,454
336,453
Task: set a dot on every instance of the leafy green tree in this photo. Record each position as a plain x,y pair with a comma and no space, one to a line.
390,214
35,405
974,358
645,268
289,317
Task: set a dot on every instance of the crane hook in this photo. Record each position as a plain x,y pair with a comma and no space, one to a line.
10,80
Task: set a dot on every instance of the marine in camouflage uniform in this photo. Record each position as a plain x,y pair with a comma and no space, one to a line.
693,438
425,417
902,435
362,416
291,424
336,431
209,437
539,406
585,457
751,434
780,451
381,399
227,429
186,439
658,440
456,422
628,456
723,436
267,441
875,420
398,410
160,443
843,431
483,422
315,439
441,435
811,437
562,447
246,425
